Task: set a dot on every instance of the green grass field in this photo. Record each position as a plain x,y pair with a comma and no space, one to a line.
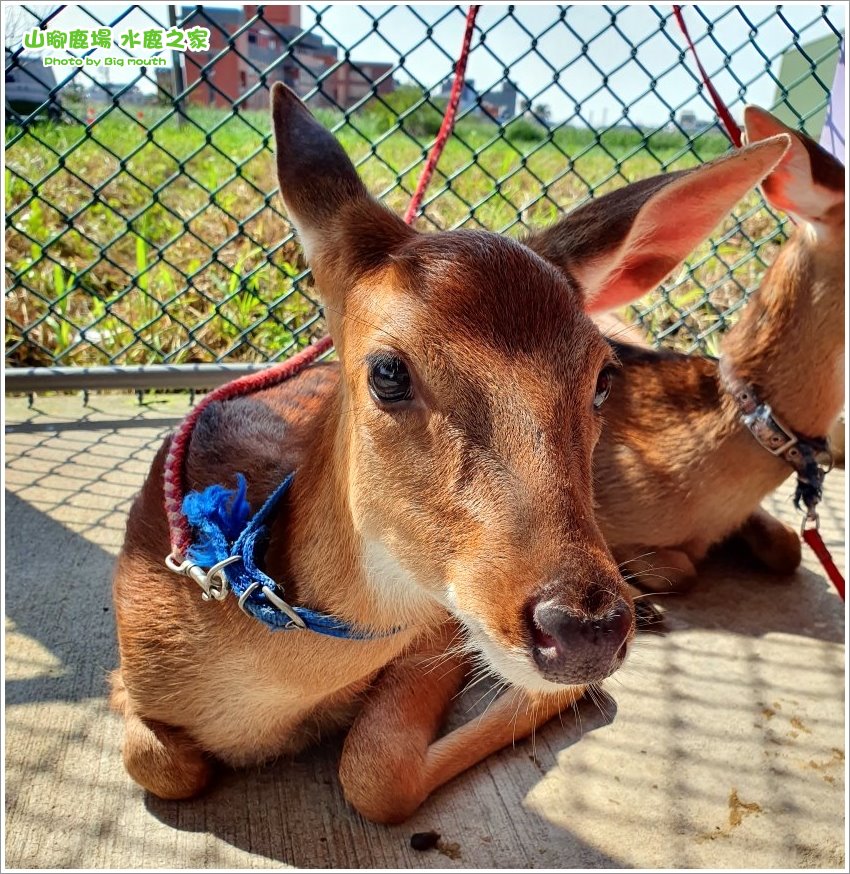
174,233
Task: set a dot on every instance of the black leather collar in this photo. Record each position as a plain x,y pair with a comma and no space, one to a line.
808,456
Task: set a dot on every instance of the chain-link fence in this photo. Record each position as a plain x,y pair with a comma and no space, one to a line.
143,224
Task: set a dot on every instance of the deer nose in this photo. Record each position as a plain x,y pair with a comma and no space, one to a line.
570,648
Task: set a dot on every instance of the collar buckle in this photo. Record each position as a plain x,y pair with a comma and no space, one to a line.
775,437
275,600
810,457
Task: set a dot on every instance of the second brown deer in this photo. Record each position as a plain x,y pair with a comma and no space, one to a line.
677,469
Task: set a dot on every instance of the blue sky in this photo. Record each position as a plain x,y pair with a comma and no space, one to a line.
507,45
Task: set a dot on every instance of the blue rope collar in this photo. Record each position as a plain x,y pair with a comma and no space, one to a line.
230,543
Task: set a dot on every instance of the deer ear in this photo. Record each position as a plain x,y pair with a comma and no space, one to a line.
808,182
622,245
343,229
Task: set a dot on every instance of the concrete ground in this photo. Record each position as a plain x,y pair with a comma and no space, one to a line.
722,744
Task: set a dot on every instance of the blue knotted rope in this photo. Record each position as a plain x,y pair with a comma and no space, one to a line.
224,528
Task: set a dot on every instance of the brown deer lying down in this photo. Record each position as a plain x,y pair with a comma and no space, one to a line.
442,469
676,470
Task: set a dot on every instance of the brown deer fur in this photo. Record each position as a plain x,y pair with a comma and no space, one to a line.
473,500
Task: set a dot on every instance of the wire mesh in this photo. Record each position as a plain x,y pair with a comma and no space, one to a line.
143,223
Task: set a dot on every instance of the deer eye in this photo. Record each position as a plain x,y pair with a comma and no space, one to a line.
389,380
603,388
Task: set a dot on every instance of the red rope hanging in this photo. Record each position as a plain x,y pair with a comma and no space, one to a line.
732,129
815,541
175,462
448,118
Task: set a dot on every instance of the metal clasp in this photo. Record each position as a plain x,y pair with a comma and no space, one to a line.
276,601
213,581
810,516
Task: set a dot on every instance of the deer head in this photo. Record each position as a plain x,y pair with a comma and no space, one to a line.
469,403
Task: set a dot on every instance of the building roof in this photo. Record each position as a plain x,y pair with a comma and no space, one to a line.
221,16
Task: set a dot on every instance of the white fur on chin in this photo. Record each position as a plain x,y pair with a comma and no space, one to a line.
513,665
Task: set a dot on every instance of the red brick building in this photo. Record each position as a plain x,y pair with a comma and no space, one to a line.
276,47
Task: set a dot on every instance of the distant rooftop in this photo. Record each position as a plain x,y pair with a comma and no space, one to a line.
221,15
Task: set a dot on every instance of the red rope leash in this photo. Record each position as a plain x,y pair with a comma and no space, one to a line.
175,462
815,541
448,118
732,129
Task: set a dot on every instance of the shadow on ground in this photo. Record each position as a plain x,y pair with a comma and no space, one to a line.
742,645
